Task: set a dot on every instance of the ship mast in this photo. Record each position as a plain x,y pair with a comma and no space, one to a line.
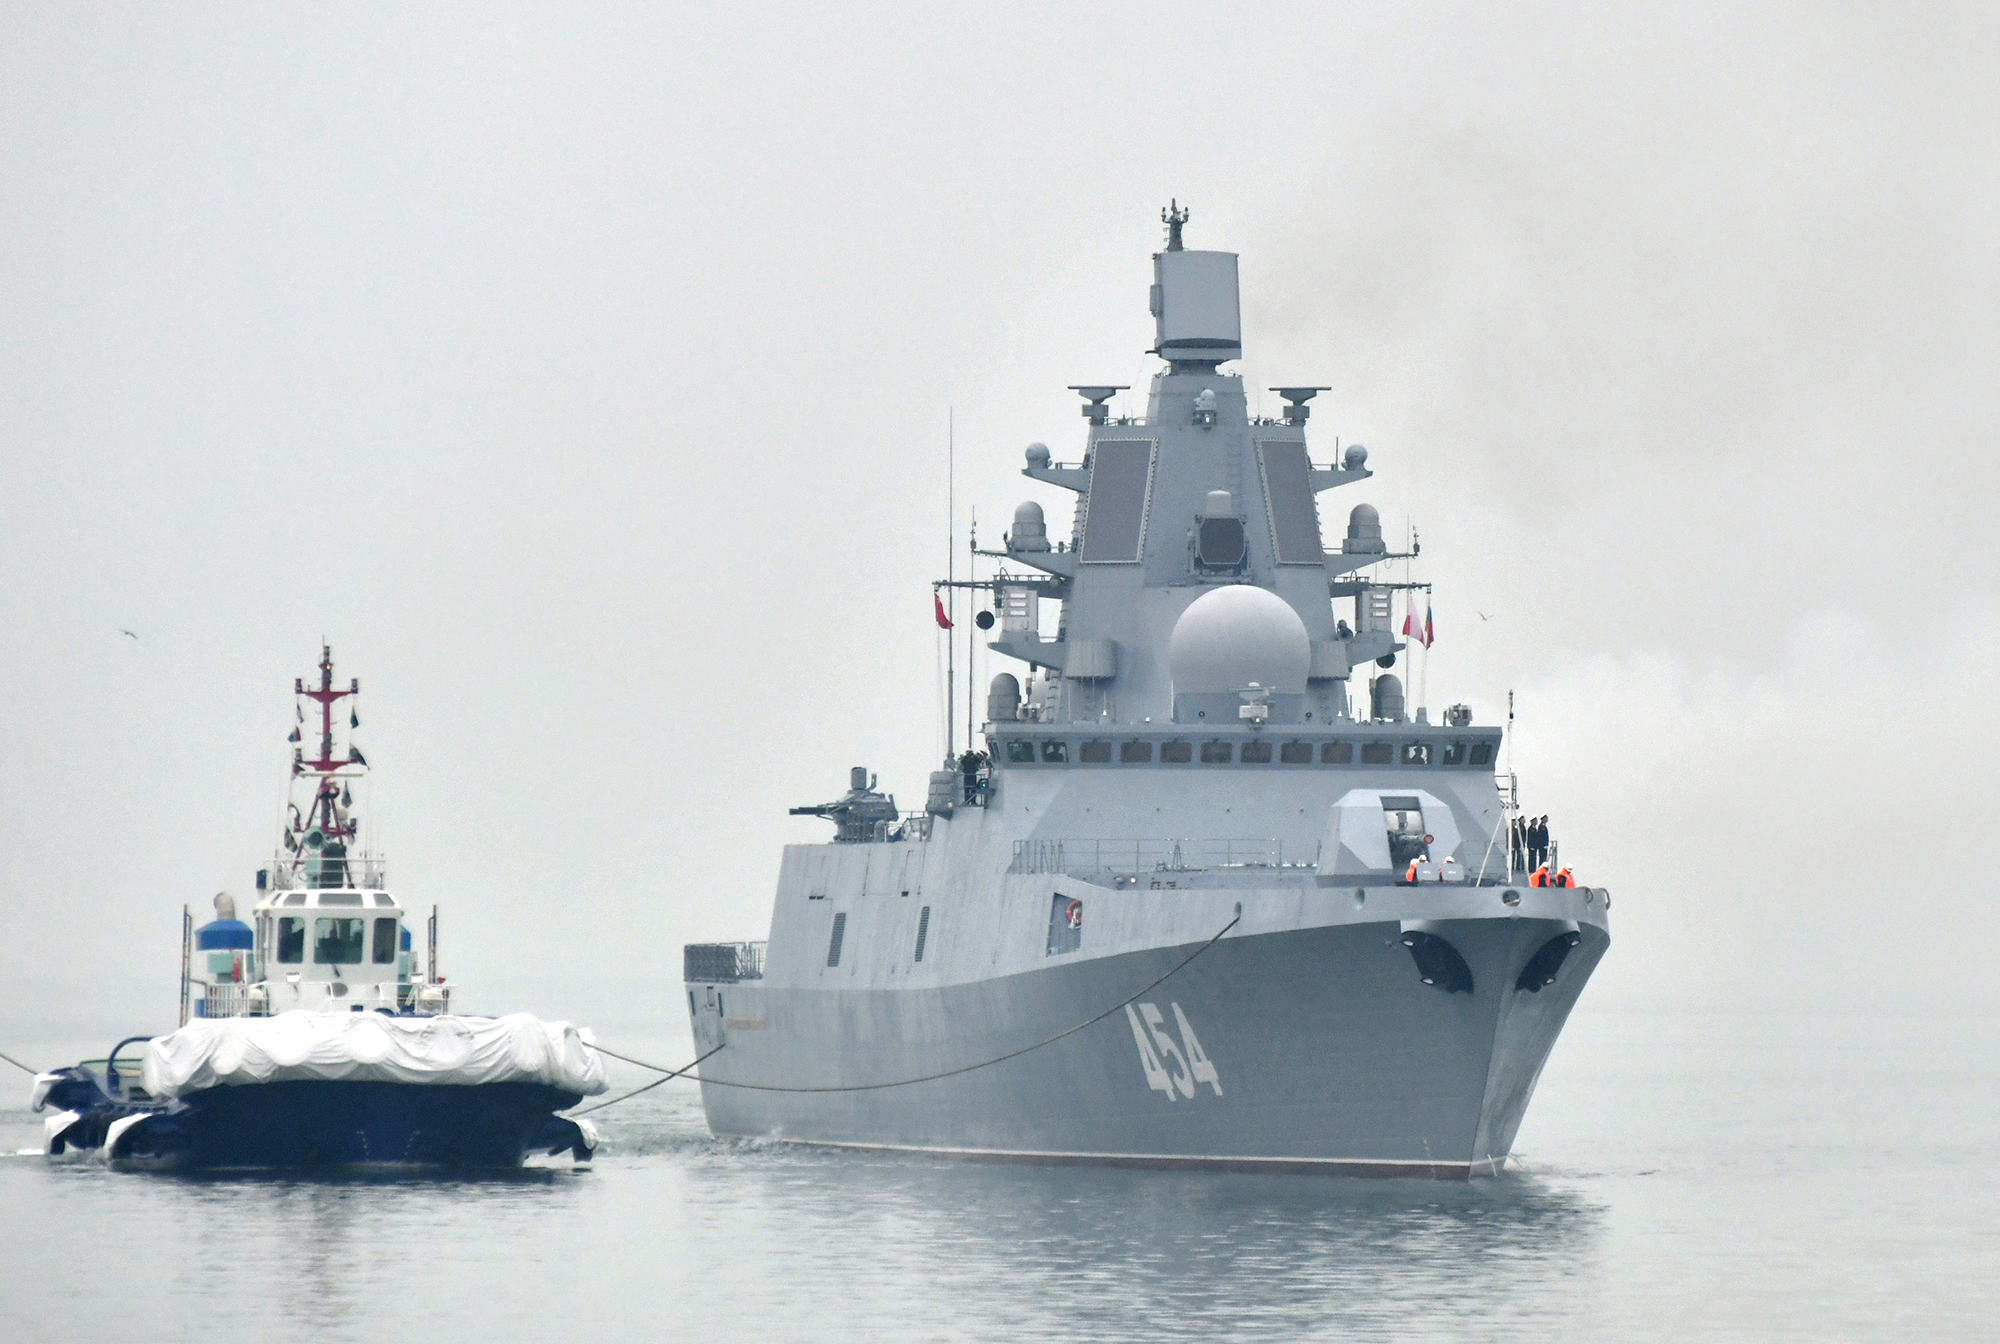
327,826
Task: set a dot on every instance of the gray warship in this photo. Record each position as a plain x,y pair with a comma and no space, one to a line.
1203,891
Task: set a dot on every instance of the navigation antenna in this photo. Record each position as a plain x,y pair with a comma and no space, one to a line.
328,827
1173,217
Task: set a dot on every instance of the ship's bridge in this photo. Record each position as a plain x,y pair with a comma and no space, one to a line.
321,950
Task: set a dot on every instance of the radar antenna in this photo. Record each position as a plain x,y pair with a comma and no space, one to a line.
1173,217
329,828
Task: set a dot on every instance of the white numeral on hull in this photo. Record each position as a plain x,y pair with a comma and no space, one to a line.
1191,1064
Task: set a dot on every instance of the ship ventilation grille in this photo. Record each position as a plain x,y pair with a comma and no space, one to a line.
923,930
833,943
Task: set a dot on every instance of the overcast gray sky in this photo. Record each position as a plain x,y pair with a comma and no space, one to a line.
583,373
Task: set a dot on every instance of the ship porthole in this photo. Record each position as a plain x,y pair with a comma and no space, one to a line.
1510,897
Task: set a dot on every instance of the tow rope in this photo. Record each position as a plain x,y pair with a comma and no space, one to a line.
18,1064
926,1078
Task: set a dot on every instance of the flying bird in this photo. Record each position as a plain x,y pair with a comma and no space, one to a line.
123,631
1484,617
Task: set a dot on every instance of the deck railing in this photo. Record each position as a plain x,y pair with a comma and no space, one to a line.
722,963
232,999
1144,856
288,872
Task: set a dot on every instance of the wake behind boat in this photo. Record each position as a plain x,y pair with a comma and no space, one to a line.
312,1037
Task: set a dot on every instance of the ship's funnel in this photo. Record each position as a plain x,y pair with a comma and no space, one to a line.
1197,316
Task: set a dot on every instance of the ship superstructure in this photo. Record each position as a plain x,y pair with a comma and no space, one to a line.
1211,893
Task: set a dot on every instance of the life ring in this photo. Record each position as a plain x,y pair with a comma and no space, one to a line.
1073,915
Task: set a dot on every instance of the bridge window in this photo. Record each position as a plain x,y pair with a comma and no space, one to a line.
1095,753
337,942
1416,753
1337,753
1454,753
1482,753
1055,753
1021,753
1135,753
1215,753
385,942
1176,753
291,939
1296,753
1377,753
1256,753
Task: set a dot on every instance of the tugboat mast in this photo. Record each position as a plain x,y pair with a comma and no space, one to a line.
328,813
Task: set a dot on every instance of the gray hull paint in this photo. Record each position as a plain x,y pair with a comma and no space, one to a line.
1203,733
1330,1052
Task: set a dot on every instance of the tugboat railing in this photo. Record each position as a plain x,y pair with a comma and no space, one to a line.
253,999
368,872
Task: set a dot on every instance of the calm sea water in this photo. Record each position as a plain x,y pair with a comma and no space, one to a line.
1680,1177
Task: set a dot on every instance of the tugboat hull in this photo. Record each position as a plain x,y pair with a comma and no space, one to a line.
316,1124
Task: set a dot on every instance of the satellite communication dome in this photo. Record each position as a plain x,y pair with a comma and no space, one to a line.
1232,636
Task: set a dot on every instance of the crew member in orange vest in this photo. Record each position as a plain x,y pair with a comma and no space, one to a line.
1540,877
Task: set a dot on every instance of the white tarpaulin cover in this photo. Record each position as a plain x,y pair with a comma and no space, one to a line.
372,1047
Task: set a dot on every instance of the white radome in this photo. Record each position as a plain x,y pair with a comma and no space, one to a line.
1233,636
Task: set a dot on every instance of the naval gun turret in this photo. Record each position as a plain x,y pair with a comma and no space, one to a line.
859,815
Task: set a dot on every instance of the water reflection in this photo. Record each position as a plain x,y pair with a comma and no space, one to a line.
675,1233
1061,1252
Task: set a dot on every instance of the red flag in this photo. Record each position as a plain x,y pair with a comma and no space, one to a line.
1419,631
944,621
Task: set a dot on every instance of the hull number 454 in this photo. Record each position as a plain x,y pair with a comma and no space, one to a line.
1186,1063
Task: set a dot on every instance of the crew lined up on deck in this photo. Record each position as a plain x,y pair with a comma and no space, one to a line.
1528,842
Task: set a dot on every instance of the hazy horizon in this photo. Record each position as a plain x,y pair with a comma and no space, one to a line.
584,380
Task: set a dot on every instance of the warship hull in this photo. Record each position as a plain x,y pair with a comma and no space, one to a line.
1207,889
1324,1048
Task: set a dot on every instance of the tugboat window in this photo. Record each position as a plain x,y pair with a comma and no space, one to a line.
385,942
1095,753
1482,753
1215,753
1021,753
291,939
1257,753
1055,753
1454,753
1135,753
1337,753
1296,753
1416,753
337,942
1176,753
1377,753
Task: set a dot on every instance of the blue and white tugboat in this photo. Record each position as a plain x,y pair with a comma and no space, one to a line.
310,1036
